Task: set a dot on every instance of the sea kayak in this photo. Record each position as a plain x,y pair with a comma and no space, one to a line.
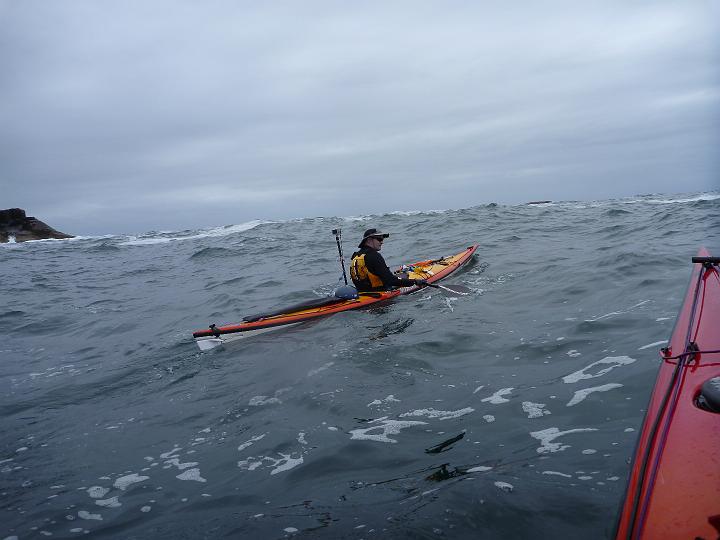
431,270
674,485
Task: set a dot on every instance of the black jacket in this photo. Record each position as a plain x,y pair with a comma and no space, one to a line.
375,263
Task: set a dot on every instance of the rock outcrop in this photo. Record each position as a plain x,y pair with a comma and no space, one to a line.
15,224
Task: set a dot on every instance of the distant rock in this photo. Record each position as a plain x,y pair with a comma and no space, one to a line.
538,202
15,224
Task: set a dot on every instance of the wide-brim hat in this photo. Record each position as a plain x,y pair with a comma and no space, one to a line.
370,233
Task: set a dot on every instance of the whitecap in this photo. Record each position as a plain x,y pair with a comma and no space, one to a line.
83,514
171,236
112,502
388,427
479,468
580,395
546,436
696,198
388,399
655,344
315,371
505,486
249,464
262,400
612,361
534,410
442,415
124,481
97,492
286,463
169,454
612,313
556,473
180,466
191,474
252,440
497,398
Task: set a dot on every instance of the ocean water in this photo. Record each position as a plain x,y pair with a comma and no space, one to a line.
508,413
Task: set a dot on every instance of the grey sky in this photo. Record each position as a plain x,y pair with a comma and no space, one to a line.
127,116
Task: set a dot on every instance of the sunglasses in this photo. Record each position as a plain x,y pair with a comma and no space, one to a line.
378,238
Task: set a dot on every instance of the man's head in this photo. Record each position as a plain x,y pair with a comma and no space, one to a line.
373,239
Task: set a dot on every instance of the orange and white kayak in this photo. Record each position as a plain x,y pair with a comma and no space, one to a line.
430,270
673,490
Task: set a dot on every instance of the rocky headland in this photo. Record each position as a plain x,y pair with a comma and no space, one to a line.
18,227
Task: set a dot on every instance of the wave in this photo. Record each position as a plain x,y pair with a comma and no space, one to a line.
104,246
212,252
56,241
670,199
12,241
617,212
163,237
657,198
153,238
400,213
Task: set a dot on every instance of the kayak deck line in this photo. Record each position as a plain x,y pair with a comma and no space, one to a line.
689,353
673,488
431,270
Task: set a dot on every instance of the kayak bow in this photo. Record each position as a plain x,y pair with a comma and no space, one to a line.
674,485
431,270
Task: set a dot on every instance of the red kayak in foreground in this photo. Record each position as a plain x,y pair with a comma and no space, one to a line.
673,490
431,270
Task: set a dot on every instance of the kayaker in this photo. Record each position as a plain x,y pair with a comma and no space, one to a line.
368,269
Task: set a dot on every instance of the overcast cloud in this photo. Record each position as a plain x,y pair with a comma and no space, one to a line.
127,116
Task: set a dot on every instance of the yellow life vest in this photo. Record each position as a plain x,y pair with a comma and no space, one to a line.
363,278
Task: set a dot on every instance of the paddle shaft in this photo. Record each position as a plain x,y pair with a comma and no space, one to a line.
455,291
338,235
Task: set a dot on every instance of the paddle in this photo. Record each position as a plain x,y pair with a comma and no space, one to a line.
338,239
455,289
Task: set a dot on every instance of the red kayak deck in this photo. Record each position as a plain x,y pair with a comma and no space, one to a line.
674,486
